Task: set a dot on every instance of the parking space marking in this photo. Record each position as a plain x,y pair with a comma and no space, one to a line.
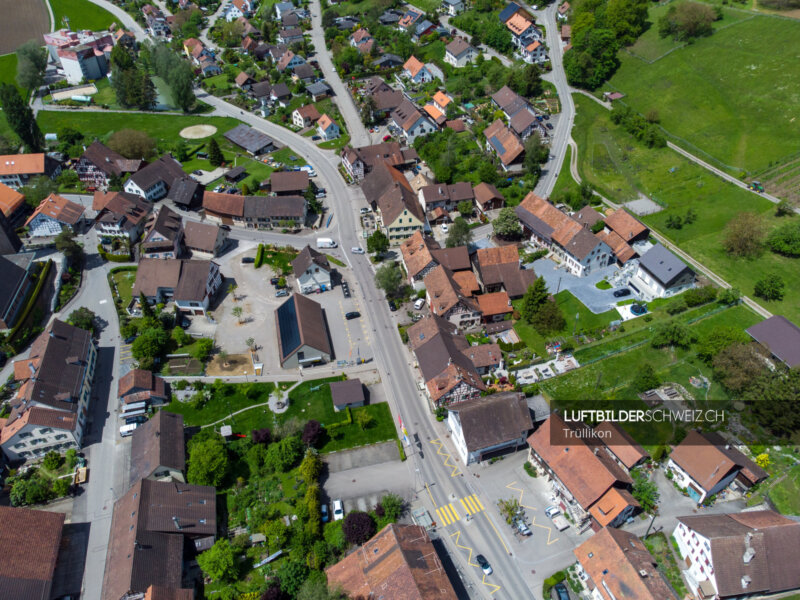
447,457
497,533
521,493
471,504
447,514
469,558
549,531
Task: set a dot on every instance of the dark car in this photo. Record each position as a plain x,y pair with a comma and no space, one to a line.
621,293
139,420
484,564
274,280
392,306
352,315
548,125
561,592
248,260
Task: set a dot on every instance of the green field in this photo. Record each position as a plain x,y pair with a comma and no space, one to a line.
619,168
81,14
732,95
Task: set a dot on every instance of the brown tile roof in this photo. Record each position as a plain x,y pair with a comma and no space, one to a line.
413,66
166,170
521,121
324,122
621,249
417,252
561,227
587,216
504,97
484,355
441,98
110,162
493,420
496,303
518,23
200,236
485,193
360,35
614,560
302,324
456,125
306,258
158,442
282,182
158,592
581,242
625,225
389,152
426,329
501,266
610,505
455,259
165,223
434,113
10,200
223,204
58,208
454,192
22,164
467,282
389,189
350,391
309,111
457,47
122,204
621,444
400,562
511,146
38,417
780,336
444,293
139,380
406,115
243,78
187,277
29,543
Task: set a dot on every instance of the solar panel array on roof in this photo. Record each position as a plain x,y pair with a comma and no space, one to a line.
497,145
288,327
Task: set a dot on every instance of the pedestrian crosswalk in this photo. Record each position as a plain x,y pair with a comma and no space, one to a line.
471,504
448,514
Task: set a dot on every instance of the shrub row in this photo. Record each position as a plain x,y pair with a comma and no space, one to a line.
259,256
345,423
112,257
506,347
31,302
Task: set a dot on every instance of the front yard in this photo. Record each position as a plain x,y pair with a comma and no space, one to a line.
659,547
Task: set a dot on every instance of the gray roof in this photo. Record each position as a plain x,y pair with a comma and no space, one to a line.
493,420
157,443
12,276
9,242
183,191
248,138
301,321
663,265
534,223
306,258
320,87
780,336
166,169
347,392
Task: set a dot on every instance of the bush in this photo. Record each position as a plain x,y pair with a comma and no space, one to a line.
770,287
700,295
112,257
401,450
677,305
259,256
551,581
61,487
52,461
530,469
785,240
358,527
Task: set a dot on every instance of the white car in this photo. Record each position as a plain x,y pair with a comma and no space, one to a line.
338,510
357,250
419,303
552,511
444,227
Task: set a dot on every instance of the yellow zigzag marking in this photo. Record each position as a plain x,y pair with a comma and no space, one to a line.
469,558
549,530
521,492
491,585
440,445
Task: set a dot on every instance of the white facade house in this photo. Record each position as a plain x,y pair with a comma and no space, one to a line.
453,7
661,274
459,53
312,271
534,53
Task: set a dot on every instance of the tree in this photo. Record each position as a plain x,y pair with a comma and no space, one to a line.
364,419
149,345
82,317
314,205
20,119
762,460
535,296
237,312
219,561
250,343
549,318
144,305
393,506
281,456
208,462
526,81
786,239
52,460
729,296
536,154
672,333
203,348
38,189
646,378
31,64
687,20
772,398
719,339
262,436
507,225
60,487
460,234
645,491
311,432
358,527
214,153
132,143
378,242
368,108
784,208
389,278
738,366
66,244
593,57
310,467
292,574
744,235
465,208
770,287
626,18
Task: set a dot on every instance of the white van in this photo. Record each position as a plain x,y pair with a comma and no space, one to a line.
419,303
127,430
325,243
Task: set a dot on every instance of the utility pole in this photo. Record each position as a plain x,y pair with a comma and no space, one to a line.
652,520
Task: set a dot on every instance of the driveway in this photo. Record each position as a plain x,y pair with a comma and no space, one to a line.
361,488
583,288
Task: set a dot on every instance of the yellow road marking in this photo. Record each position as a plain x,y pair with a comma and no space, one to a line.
466,508
549,531
453,510
497,533
469,558
491,585
447,459
477,501
431,495
521,492
443,516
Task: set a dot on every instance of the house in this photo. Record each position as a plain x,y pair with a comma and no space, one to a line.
410,122
447,371
261,91
452,7
254,212
156,22
190,284
120,214
244,80
704,464
566,34
459,52
358,162
318,90
447,299
30,542
661,274
303,337
620,445
288,183
421,29
456,125
510,102
534,52
588,217
54,214
347,394
579,249
186,192
562,11
238,9
312,271
189,45
390,17
589,486
494,306
283,8
204,240
490,426
289,61
11,202
155,530
9,242
290,20
360,38
154,181
441,101
389,192
163,235
780,337
486,358
628,227
417,71
290,36
209,67
281,94
347,23
523,31
445,196
99,164
387,61
500,269
505,144
157,450
305,116
16,273
385,98
739,555
410,567
138,385
84,62
416,255
16,170
487,197
409,20
304,73
327,128
197,51
251,140
54,387
615,564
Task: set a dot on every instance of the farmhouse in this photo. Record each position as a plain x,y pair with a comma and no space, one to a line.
99,164
447,299
499,269
120,214
154,181
204,240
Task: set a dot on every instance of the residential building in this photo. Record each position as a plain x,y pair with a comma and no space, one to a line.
562,11
416,255
138,385
209,67
620,445
361,38
30,541
453,7
303,337
387,61
494,306
486,358
580,250
621,250
523,124
589,486
305,116
389,192
289,61
661,274
124,38
390,17
204,240
312,271
244,80
318,90
500,269
156,22
410,19
347,394
487,197
85,62
54,214
190,284
99,164
51,403
283,8
704,464
156,529
16,273
304,73
157,450
486,427
251,140
120,214
255,212
410,122
616,564
288,183
11,202
186,193
780,337
327,128
448,300
154,181
566,34
281,94
16,170
417,71
442,195
459,52
522,28
505,144
290,36
739,555
163,235
410,568
534,52
508,11
9,242
64,39
510,102
421,29
628,227
358,162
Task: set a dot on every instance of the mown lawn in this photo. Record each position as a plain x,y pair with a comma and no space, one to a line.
82,15
619,167
125,281
230,399
732,95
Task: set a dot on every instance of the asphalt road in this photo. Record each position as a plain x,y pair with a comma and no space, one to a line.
125,19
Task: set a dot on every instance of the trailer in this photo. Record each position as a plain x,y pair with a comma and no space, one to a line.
81,474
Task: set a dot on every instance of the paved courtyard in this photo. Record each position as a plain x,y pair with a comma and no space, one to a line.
583,288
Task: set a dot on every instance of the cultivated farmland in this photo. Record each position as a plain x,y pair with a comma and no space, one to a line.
24,21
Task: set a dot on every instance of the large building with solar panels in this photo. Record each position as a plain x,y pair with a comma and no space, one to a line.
303,337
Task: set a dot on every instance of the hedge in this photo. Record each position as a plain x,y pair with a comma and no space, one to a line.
112,257
31,301
555,578
401,450
259,256
345,423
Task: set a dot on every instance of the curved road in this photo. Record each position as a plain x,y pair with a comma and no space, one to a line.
125,19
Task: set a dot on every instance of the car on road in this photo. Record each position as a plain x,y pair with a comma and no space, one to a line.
357,250
622,293
419,303
352,315
522,527
338,510
444,228
392,306
484,564
281,293
248,260
561,591
548,125
552,511
324,511
315,138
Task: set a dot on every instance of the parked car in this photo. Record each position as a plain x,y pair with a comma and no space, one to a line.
552,511
274,280
387,137
357,250
484,564
392,306
444,228
522,527
364,211
197,172
281,293
338,510
548,125
419,303
352,315
248,260
324,510
621,293
315,138
561,591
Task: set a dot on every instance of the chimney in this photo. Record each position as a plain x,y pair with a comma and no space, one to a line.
177,523
746,581
749,552
643,573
